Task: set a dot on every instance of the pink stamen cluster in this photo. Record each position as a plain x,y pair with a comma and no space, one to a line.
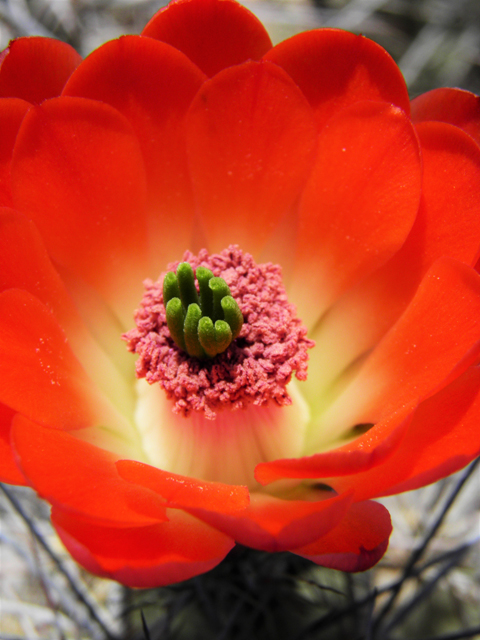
254,369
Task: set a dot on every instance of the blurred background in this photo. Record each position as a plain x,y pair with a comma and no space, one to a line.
427,587
435,42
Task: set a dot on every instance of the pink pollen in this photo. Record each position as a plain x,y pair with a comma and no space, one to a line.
255,368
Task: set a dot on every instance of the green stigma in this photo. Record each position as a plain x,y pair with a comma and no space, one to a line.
202,323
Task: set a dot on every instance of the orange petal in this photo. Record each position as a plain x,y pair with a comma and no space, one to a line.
35,69
81,478
40,375
25,264
182,491
9,470
356,543
359,203
251,140
214,34
12,112
435,340
152,85
144,557
454,106
274,524
363,453
335,68
442,438
447,224
77,171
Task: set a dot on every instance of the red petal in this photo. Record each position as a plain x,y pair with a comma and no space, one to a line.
357,543
120,74
442,438
274,524
182,491
25,264
12,112
144,557
214,34
455,106
35,69
447,224
81,478
40,375
9,471
449,221
363,453
435,340
251,140
77,171
359,203
334,68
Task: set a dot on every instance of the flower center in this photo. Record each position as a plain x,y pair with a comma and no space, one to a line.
191,315
232,342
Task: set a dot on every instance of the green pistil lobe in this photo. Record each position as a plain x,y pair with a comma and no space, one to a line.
203,324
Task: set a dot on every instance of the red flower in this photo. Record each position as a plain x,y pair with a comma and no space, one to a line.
198,134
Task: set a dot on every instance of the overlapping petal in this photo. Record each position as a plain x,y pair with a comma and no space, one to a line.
447,224
442,437
35,69
150,556
91,487
249,170
41,377
363,192
184,492
120,74
453,106
357,543
334,69
403,453
77,171
25,264
12,112
273,523
214,34
435,341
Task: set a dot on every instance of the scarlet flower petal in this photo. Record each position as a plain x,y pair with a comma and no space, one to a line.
77,171
90,486
447,224
359,203
25,264
442,437
435,341
181,491
356,543
9,470
363,453
335,68
40,375
274,524
12,112
453,106
247,171
144,557
214,34
35,69
121,73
